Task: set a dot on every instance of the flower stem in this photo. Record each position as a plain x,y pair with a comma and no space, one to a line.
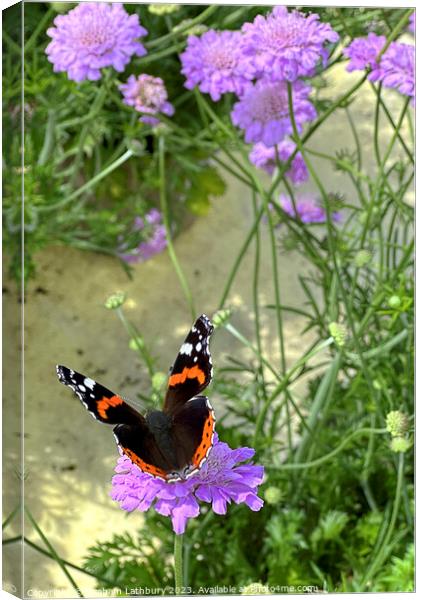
165,215
178,563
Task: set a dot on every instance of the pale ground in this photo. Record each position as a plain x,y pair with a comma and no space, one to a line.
69,458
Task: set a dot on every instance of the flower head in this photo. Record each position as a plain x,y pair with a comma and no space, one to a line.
397,68
308,209
155,243
220,481
92,36
214,62
263,111
148,95
286,45
363,53
265,158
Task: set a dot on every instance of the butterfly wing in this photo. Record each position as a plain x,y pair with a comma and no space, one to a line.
192,370
193,433
132,432
139,445
103,405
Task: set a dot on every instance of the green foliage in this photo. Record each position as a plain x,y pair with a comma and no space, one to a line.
338,513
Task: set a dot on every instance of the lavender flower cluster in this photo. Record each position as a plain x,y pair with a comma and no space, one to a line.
95,35
395,67
154,230
255,64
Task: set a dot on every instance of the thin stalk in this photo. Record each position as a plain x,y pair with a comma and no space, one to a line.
166,219
178,564
10,518
380,557
240,257
182,28
135,335
57,558
322,459
256,273
89,184
68,564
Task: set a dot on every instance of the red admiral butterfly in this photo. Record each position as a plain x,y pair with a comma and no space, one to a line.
171,444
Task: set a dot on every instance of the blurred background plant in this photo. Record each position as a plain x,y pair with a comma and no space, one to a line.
338,509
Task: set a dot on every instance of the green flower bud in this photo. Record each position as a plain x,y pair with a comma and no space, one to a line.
397,423
273,495
254,589
338,332
158,380
115,300
377,385
394,302
362,258
163,9
221,317
136,344
400,444
62,7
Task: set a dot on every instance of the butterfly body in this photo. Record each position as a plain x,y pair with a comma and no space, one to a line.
171,444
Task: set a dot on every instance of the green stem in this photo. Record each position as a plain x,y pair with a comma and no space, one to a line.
89,184
330,455
10,518
166,219
380,557
182,28
57,558
135,335
178,564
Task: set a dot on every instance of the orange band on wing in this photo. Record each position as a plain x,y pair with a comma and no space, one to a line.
105,403
144,466
206,442
187,373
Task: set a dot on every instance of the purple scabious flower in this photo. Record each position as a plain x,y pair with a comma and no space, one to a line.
286,45
265,158
363,53
263,111
156,242
214,62
147,94
92,36
397,68
220,481
308,209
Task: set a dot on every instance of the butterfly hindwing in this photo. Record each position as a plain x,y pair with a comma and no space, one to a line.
192,370
193,431
104,405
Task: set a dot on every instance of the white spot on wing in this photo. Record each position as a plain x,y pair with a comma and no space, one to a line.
89,383
186,349
198,347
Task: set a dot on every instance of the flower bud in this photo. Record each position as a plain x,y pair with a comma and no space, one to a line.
400,444
394,301
273,495
362,258
136,344
397,423
338,332
221,317
163,9
115,300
